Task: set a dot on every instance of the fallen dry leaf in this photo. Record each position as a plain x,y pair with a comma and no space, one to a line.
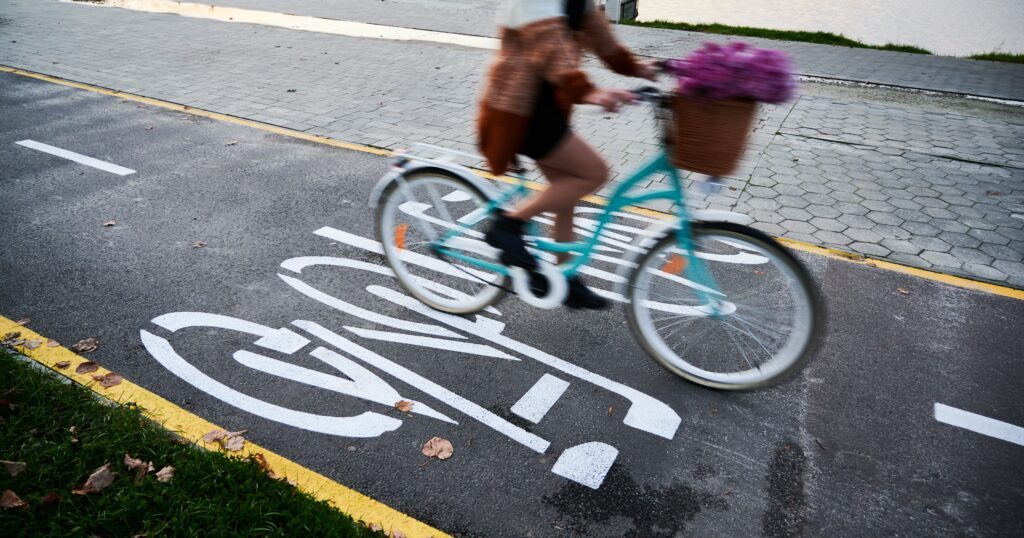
403,405
109,223
63,364
198,244
32,344
86,367
232,143
14,468
610,410
214,436
165,475
97,377
234,443
87,345
50,342
903,291
97,481
261,460
50,499
9,500
438,448
871,264
24,321
139,467
110,380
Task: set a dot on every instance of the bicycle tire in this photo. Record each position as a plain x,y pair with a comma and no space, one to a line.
482,294
806,304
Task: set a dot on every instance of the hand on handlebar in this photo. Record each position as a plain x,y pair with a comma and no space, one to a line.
609,98
648,69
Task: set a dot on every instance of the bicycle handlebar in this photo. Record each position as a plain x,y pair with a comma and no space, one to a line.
648,94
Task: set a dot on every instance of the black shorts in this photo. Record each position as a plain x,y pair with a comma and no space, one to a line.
547,127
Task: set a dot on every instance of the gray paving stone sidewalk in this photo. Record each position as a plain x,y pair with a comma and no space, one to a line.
932,182
938,73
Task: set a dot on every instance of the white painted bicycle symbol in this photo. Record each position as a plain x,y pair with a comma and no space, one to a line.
360,371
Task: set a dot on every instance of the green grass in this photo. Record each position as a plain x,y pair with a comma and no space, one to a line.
822,38
211,493
999,57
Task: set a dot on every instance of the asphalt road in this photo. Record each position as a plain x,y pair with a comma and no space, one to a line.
849,447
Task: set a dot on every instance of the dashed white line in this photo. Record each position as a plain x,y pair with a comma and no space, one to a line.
979,424
540,398
76,157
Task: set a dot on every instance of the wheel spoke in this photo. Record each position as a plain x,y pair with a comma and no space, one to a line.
764,319
442,282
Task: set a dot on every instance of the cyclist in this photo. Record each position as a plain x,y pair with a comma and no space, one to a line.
528,98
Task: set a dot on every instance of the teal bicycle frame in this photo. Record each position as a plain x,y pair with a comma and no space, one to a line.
621,198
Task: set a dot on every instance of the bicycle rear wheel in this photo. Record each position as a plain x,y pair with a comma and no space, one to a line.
412,216
768,319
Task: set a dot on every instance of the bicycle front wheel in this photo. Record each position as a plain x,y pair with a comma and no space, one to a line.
412,216
758,326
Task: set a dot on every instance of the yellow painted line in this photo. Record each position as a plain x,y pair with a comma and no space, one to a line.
193,428
198,112
952,280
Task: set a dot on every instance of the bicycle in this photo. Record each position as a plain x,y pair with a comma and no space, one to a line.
691,277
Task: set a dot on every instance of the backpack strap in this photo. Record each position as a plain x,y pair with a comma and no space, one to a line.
575,10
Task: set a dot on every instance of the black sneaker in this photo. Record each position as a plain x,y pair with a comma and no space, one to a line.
506,235
580,296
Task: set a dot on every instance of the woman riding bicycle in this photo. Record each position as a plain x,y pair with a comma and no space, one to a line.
528,98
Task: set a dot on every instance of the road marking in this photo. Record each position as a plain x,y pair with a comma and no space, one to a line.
587,463
952,280
301,22
489,419
77,157
645,413
540,398
193,428
979,424
435,343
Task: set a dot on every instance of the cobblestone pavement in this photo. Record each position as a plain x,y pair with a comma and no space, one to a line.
940,73
933,182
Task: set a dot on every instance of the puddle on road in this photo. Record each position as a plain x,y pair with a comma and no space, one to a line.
659,512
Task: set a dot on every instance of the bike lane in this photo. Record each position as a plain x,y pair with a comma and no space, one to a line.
241,281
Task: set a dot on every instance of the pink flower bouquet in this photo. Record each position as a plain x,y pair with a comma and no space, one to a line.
735,71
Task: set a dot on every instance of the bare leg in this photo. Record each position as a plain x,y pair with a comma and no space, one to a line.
563,231
573,170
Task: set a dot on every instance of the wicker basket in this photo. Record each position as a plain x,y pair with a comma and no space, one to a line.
709,135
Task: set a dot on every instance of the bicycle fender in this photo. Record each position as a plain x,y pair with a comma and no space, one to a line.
719,215
486,187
